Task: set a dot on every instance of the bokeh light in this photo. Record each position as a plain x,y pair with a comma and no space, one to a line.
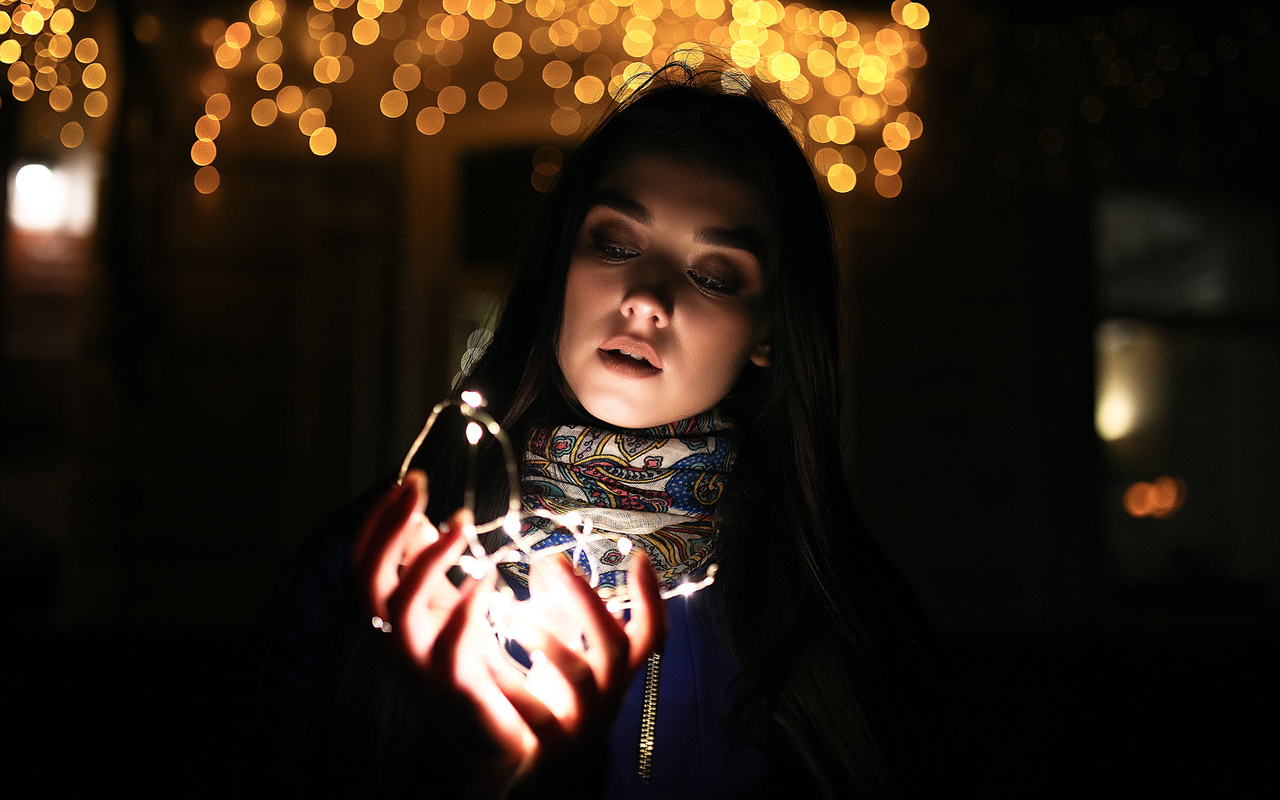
394,103
323,140
270,76
94,76
95,104
310,121
289,99
72,134
203,152
430,120
888,186
207,180
1158,499
842,178
846,79
888,161
44,48
492,95
264,112
451,99
207,128
218,106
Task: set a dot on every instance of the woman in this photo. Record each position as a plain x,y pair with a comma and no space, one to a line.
681,293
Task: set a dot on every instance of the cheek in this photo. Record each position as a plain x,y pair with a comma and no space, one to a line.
728,344
566,341
579,298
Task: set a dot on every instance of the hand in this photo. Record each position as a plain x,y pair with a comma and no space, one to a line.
582,667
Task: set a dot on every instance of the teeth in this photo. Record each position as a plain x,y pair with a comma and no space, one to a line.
633,355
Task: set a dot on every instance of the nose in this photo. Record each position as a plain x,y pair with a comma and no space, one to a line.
648,297
647,304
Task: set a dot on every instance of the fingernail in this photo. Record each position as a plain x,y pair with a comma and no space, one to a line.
429,533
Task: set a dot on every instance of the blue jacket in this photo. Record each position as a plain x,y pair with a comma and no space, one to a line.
713,737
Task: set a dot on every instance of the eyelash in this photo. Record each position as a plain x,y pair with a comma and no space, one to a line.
711,286
616,253
612,251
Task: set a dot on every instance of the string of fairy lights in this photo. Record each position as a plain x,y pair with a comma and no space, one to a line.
45,54
507,614
848,83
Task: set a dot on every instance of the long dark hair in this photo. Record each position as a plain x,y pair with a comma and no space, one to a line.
817,617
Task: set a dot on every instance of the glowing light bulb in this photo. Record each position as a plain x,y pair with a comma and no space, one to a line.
473,566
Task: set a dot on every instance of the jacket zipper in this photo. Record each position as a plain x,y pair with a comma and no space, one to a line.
649,716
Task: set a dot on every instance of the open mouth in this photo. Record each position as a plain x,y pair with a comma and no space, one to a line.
628,363
632,356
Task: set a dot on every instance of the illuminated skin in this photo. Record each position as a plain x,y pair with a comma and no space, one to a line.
571,694
664,300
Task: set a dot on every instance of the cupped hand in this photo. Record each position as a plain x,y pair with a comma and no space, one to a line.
583,656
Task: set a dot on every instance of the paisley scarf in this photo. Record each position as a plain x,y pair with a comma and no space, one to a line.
657,487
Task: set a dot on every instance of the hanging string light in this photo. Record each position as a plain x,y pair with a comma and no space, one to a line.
48,58
517,544
850,81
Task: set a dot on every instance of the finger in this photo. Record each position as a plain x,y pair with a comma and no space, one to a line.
563,681
380,510
607,643
543,724
459,626
424,593
384,537
544,730
647,629
460,659
428,567
422,533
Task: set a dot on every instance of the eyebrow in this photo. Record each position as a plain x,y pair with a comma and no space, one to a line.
625,205
747,239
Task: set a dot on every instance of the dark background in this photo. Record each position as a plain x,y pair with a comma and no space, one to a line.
247,362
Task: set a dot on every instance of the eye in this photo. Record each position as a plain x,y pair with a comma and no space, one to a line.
613,251
610,242
713,286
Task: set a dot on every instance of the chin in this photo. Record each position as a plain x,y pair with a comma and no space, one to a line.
621,414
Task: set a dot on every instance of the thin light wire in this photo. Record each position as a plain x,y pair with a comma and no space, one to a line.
506,612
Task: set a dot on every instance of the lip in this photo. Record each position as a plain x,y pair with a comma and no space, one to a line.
633,345
625,366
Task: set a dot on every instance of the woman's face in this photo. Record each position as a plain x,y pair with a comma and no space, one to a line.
665,297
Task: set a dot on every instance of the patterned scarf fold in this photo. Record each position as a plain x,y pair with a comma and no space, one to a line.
658,487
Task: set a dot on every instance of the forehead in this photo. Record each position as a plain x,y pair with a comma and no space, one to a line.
687,190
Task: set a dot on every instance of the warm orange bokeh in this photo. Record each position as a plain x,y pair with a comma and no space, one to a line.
849,82
1159,498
